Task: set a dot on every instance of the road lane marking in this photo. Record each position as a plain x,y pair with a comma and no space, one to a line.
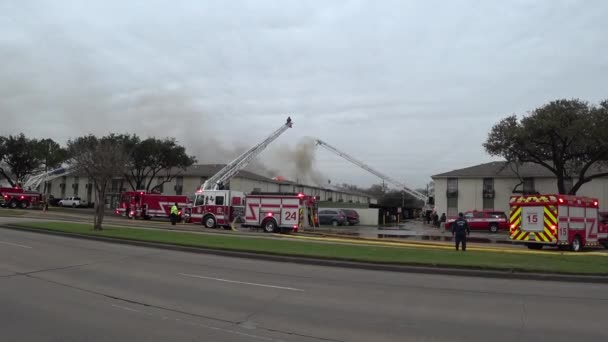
241,282
15,244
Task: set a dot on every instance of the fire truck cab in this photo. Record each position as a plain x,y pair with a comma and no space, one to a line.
18,198
555,220
216,208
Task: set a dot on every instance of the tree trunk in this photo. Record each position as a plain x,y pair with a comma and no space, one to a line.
99,207
561,187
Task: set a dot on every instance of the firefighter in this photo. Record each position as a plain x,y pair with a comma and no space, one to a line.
460,230
174,214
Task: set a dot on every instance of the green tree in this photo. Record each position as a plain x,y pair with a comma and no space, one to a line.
567,137
100,159
21,157
154,158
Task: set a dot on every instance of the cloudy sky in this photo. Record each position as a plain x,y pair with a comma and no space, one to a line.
410,87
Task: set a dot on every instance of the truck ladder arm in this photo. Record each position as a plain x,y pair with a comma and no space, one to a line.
34,181
231,169
380,175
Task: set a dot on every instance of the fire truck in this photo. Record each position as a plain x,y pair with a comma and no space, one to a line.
555,220
276,212
146,205
216,206
18,198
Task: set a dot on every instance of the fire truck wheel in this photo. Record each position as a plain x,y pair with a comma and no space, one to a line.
12,204
23,204
576,244
270,226
209,221
493,228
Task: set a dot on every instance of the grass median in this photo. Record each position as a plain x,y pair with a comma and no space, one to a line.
550,262
11,212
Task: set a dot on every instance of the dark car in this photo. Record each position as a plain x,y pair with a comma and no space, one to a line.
54,201
334,217
352,216
603,228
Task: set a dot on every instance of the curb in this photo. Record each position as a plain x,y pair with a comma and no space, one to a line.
317,261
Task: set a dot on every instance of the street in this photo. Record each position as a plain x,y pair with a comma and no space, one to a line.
62,289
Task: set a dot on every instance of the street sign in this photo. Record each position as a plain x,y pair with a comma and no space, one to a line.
399,210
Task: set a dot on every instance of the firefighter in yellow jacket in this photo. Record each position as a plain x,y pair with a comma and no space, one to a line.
174,214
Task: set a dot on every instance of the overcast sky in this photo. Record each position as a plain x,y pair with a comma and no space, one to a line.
410,87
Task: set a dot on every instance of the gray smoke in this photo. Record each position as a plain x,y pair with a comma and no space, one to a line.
85,101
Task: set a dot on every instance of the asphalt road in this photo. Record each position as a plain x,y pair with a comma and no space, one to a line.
61,289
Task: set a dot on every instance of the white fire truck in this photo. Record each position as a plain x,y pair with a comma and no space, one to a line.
215,206
555,220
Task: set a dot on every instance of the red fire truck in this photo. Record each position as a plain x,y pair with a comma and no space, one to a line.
280,212
555,220
144,204
273,212
18,198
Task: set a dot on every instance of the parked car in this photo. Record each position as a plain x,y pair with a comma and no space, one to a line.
334,217
352,216
603,227
492,220
72,202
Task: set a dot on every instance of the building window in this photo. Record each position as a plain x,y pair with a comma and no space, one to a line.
488,193
115,186
529,186
160,186
179,185
452,195
75,186
62,186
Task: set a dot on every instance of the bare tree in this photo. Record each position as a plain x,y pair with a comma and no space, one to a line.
100,159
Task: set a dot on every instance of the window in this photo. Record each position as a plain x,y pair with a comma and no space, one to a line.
452,195
179,185
62,186
452,206
115,186
488,193
200,200
160,186
479,214
468,215
75,185
219,200
529,185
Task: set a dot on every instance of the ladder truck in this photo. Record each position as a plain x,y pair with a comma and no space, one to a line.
26,195
422,197
215,206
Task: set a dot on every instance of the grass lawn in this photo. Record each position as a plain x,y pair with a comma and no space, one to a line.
11,212
550,262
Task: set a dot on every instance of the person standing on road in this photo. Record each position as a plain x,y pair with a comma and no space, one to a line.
460,230
174,214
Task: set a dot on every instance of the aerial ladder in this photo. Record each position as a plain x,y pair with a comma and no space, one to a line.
406,189
34,181
217,181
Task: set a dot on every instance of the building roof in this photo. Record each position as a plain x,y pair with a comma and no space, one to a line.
500,169
208,170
